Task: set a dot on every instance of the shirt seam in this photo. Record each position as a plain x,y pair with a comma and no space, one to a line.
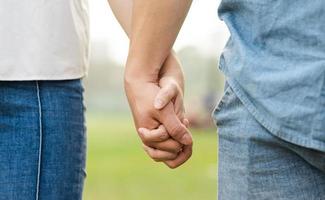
40,141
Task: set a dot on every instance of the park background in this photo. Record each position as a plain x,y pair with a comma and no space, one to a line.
117,167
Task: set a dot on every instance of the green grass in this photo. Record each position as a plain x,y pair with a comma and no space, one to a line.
118,169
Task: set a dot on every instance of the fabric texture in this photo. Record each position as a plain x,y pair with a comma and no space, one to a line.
43,40
42,140
256,165
275,62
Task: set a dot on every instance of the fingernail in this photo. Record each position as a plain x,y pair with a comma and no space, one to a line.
186,139
158,103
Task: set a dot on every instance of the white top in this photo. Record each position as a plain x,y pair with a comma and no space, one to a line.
43,39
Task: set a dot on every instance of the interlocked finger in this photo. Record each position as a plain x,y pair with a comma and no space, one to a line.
159,155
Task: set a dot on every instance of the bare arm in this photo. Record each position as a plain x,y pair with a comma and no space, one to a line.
122,10
155,26
171,82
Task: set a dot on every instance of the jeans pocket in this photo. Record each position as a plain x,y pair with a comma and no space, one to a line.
223,101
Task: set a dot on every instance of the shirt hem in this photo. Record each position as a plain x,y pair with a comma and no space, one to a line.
272,126
44,77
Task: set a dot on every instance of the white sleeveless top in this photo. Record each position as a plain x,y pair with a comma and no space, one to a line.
43,39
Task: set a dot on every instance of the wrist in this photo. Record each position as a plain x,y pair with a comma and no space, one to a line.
135,73
140,67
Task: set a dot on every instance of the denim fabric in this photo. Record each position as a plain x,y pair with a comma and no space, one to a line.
42,140
256,165
275,62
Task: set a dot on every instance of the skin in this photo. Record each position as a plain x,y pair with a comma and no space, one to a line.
154,82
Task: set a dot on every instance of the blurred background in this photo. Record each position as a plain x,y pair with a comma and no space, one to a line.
117,167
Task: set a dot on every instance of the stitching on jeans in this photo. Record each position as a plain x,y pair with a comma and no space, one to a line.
40,141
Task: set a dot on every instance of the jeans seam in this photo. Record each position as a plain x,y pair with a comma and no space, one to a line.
40,141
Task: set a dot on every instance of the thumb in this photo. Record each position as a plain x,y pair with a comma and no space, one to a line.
186,122
165,95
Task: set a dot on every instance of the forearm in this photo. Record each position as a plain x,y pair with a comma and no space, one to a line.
122,10
155,26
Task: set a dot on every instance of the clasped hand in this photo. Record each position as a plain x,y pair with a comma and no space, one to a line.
156,102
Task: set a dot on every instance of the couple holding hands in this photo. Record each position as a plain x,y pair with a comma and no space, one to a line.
270,120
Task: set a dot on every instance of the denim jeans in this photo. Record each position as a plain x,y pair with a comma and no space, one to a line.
42,140
254,164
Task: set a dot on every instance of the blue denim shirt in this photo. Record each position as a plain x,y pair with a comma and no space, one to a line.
274,61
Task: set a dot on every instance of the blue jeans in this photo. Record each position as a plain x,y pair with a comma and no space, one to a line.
256,165
42,140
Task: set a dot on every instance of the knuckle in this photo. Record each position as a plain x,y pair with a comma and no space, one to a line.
163,135
175,146
178,147
149,141
177,131
145,139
